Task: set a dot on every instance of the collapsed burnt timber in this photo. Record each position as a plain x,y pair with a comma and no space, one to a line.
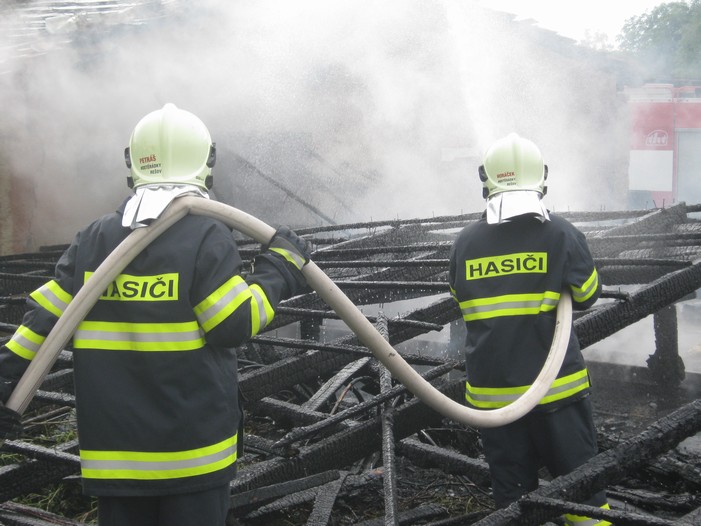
331,439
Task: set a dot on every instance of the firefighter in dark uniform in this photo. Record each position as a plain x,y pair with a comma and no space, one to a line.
159,418
506,272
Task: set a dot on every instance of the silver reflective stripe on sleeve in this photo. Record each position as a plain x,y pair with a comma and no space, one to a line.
52,298
222,303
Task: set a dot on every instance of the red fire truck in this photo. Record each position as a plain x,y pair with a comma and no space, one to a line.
665,150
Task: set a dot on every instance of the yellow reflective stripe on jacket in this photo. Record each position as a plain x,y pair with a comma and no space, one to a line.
261,310
121,336
292,257
578,520
52,297
493,397
509,305
583,293
219,305
157,465
25,342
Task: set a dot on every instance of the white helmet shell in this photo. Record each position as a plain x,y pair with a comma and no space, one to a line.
511,164
170,146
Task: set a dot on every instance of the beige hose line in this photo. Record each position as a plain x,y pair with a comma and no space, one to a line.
248,225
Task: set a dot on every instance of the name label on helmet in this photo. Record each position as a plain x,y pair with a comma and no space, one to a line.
519,263
507,179
163,287
149,163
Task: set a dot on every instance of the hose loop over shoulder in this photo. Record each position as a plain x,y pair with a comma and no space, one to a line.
324,287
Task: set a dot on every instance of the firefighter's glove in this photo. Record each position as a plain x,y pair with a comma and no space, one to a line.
6,388
289,245
10,423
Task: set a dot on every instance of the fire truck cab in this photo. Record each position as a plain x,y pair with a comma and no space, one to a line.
665,152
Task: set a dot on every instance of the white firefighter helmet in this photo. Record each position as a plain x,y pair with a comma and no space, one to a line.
170,146
513,164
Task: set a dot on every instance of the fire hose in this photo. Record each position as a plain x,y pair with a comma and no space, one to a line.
327,290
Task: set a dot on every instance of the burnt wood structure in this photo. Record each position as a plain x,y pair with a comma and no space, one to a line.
332,439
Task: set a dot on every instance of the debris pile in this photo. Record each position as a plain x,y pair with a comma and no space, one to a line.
332,439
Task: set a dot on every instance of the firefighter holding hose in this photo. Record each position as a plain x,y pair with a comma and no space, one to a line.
158,410
506,273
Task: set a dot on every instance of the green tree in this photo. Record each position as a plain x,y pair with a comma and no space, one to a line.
666,42
597,40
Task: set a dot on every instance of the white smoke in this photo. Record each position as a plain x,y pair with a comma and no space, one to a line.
367,110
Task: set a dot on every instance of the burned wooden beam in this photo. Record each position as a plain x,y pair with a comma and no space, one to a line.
462,520
677,250
325,500
394,223
259,446
665,365
683,470
9,328
289,414
622,518
658,220
422,286
37,452
51,397
292,499
668,263
331,315
416,515
387,422
356,350
675,238
443,311
431,246
258,384
617,240
667,503
16,284
247,501
692,518
613,276
345,447
606,468
14,514
269,380
436,263
609,319
445,459
19,479
688,472
358,409
360,295
344,376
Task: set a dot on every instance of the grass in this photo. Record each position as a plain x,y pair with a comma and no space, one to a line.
51,429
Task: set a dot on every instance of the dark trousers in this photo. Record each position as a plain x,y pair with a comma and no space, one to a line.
205,508
560,440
